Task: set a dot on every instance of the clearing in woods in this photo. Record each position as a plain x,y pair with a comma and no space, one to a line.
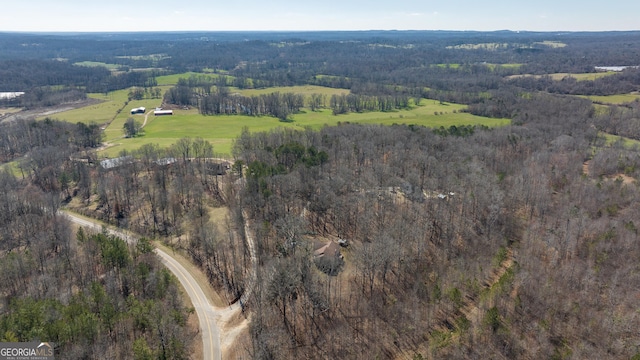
221,130
578,77
113,110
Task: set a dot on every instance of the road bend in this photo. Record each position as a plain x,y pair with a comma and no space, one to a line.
207,314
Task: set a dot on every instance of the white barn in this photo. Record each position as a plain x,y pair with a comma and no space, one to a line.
159,112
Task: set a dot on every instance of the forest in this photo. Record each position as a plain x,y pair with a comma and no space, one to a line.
399,242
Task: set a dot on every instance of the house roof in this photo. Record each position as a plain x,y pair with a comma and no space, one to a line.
330,249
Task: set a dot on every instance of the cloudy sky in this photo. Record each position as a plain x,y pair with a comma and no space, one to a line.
196,15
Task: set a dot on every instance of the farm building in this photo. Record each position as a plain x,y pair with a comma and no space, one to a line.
160,112
10,95
115,162
166,161
140,110
615,68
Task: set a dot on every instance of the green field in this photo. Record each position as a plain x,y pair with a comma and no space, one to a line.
12,167
305,90
100,113
8,110
221,130
114,110
449,66
511,66
330,77
551,44
112,67
578,77
626,142
173,79
114,130
614,99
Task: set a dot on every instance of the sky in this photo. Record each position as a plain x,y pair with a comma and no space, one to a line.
282,15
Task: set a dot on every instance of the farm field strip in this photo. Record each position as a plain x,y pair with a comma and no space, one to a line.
173,79
303,90
614,99
578,77
111,67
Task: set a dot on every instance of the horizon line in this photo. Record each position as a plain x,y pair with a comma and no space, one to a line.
299,31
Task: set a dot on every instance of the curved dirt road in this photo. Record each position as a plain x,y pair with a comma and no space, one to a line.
208,316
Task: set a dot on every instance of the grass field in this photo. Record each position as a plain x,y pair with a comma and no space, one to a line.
626,142
114,130
221,130
614,99
100,113
9,110
306,90
331,77
173,79
12,167
450,66
504,66
113,110
112,67
552,44
579,77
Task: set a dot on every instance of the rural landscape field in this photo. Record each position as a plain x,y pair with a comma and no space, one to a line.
321,195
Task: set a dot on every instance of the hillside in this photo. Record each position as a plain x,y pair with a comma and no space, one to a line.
391,195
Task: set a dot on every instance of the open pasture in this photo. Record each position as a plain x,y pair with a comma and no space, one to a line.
100,113
173,79
113,111
221,130
114,130
578,77
615,99
510,66
112,67
306,90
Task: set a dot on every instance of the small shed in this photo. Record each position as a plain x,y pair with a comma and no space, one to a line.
138,110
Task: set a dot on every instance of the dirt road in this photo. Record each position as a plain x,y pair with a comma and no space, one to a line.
217,335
